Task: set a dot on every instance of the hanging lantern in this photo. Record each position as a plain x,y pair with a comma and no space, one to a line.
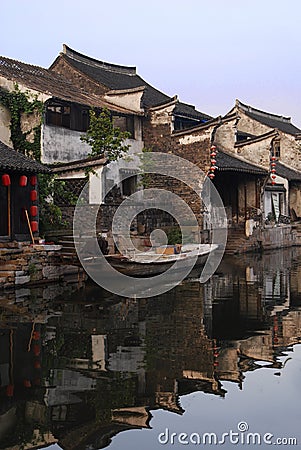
36,335
23,181
36,350
33,211
37,364
6,180
273,169
33,180
10,390
33,195
34,226
27,383
213,154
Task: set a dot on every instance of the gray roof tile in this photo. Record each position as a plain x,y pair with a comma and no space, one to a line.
271,120
13,161
226,162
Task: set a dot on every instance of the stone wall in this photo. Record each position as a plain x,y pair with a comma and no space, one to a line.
256,152
249,125
4,126
290,151
23,264
225,135
192,145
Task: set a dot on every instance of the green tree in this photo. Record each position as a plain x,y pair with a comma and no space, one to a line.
104,138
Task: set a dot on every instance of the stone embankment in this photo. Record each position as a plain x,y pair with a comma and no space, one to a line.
23,264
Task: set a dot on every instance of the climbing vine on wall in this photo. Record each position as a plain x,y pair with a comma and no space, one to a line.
19,103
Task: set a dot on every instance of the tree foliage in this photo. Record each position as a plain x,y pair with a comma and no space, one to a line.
104,138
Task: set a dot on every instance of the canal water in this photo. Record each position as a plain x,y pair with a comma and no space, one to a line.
215,364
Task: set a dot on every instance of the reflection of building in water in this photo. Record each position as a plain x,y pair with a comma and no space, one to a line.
109,362
252,311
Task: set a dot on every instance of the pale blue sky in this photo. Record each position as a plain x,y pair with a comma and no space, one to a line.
209,53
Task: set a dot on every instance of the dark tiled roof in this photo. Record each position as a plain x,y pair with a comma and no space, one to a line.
47,82
79,164
287,172
113,76
226,162
183,109
16,162
271,120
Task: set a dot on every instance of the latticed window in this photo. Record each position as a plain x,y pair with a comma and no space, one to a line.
68,190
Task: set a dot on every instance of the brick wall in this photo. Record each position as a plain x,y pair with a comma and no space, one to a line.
89,86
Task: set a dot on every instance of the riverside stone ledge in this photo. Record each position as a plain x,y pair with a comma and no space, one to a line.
25,264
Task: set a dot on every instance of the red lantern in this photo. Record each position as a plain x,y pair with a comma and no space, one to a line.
273,164
212,168
27,383
34,226
273,158
213,161
36,335
273,182
33,180
33,211
33,195
36,350
23,181
211,175
213,148
273,171
273,176
10,390
6,180
213,154
37,365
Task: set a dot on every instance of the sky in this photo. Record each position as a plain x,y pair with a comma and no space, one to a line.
207,53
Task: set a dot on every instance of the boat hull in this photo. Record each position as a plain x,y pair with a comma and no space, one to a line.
137,269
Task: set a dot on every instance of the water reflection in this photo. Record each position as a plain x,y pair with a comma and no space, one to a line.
78,367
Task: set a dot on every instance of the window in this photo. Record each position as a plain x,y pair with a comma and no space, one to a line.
276,149
125,123
59,115
181,123
129,186
67,115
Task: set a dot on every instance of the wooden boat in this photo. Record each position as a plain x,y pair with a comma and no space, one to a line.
152,263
